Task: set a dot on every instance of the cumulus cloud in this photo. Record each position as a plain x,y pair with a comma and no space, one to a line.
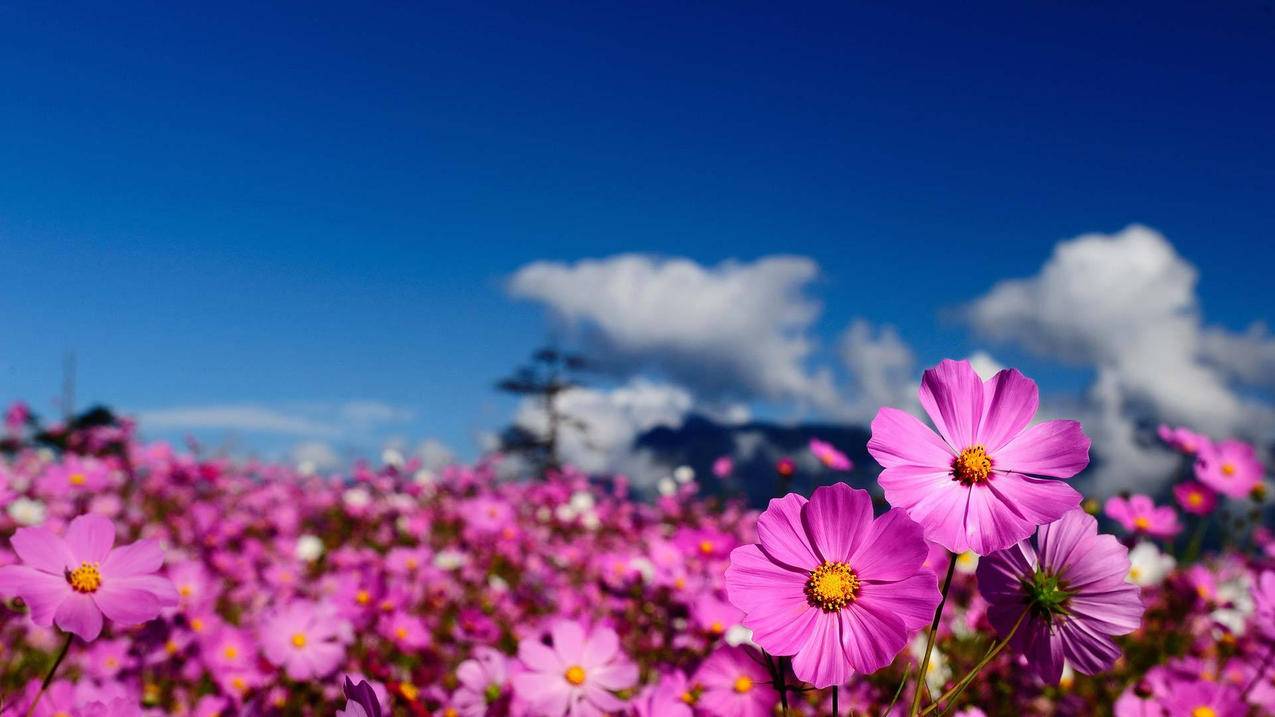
738,330
882,368
608,421
312,456
1126,306
242,417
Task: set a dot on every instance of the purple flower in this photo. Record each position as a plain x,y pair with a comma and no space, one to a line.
72,582
305,639
1195,497
482,682
1229,467
830,585
671,696
1139,514
1073,585
736,684
970,485
1203,698
577,676
829,456
361,700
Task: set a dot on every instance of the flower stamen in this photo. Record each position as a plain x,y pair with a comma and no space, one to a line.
972,466
574,675
832,586
85,579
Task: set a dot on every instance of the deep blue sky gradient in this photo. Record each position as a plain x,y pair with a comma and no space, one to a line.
320,201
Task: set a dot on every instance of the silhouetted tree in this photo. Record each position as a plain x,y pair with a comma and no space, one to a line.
544,378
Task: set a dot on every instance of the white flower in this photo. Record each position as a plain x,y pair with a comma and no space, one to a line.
643,566
543,514
684,474
424,476
357,497
590,521
1149,566
498,584
307,468
1236,597
967,563
392,457
450,559
25,511
666,486
737,635
565,513
582,501
309,548
938,672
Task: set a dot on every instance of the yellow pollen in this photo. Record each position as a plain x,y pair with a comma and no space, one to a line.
298,640
1134,573
171,647
1195,500
239,684
972,466
362,597
1141,522
231,652
688,697
1228,470
400,633
716,628
197,625
1203,711
186,591
85,579
412,564
1202,591
832,586
410,691
451,712
743,684
574,675
61,713
76,479
112,663
706,546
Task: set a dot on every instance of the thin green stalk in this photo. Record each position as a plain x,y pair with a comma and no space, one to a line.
66,646
951,695
929,640
907,672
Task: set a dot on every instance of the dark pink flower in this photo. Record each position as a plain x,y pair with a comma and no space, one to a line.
1229,467
1195,497
1139,514
736,684
73,581
829,456
970,485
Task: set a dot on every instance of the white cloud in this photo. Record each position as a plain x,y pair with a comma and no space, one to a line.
310,456
882,368
240,417
612,419
370,413
1126,305
434,454
732,331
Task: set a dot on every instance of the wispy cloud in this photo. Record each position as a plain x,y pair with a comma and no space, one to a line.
309,420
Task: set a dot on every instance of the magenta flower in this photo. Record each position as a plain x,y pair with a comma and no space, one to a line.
1195,498
829,456
577,676
829,585
1139,514
971,486
671,696
72,582
1203,698
1229,467
736,684
361,700
723,466
1072,583
305,639
1182,439
1264,602
482,682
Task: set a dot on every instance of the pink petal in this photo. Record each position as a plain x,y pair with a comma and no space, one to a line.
568,641
140,558
1038,500
873,636
162,588
782,533
837,518
43,593
1058,540
600,647
899,438
1054,448
1010,400
126,605
1088,651
952,394
544,696
913,599
78,614
540,657
1045,654
940,505
43,550
772,598
821,662
602,701
991,524
90,538
893,550
619,676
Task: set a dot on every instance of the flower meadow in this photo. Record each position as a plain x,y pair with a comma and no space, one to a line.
970,579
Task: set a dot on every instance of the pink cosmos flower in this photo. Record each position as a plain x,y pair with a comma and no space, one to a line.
73,581
829,456
723,466
830,585
970,486
1139,514
482,679
1072,583
1264,602
305,639
1229,467
1203,698
361,700
736,684
1182,439
577,676
671,696
1195,498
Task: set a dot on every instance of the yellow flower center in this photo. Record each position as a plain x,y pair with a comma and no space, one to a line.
706,546
85,579
410,691
1135,573
716,628
451,712
197,625
688,697
1228,470
362,597
1195,500
76,479
240,684
171,647
1203,711
743,684
1141,522
400,633
574,675
832,586
185,591
231,652
298,640
972,466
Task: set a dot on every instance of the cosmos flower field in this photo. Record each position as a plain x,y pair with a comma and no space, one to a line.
970,578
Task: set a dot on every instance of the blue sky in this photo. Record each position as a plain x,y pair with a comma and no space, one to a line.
304,206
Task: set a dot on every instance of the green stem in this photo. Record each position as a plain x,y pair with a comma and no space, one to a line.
929,640
1197,540
951,695
907,672
66,646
